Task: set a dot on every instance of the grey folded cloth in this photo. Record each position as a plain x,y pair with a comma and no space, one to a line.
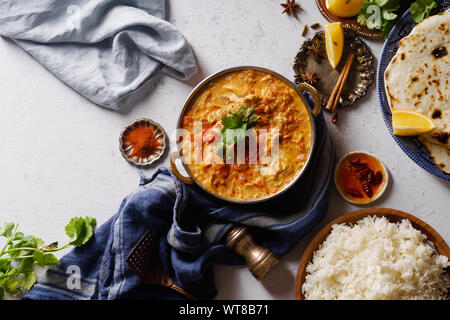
103,49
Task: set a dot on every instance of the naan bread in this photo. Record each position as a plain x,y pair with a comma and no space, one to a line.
417,79
418,76
439,154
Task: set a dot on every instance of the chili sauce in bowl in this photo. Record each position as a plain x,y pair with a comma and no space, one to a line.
360,177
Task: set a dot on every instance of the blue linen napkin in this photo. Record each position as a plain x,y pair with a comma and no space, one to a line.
104,49
189,226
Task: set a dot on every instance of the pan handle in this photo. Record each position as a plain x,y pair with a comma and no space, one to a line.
315,94
174,169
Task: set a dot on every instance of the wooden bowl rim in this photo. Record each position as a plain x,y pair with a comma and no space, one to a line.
441,246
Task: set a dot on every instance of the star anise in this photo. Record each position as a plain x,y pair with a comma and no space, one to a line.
290,6
311,78
315,50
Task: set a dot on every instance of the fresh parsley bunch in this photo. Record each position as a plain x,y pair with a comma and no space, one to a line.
239,122
390,11
21,253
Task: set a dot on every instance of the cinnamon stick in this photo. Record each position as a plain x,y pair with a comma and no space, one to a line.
337,91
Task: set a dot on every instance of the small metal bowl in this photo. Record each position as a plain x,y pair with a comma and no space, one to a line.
127,149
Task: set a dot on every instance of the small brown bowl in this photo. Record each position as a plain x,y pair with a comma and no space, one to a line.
127,149
349,23
391,214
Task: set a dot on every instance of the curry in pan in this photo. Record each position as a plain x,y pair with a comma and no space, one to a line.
276,145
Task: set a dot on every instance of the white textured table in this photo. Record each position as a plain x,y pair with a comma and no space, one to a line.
60,155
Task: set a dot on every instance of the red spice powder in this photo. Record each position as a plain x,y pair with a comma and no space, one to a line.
143,140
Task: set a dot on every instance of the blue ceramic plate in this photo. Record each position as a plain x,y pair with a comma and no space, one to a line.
410,145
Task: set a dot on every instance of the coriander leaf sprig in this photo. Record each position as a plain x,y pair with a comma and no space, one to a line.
21,253
420,9
244,119
389,11
239,122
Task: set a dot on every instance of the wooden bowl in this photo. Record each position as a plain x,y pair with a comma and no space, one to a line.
391,214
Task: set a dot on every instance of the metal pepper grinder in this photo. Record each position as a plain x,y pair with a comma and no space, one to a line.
259,260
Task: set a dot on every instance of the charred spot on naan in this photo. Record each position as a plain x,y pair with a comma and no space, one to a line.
437,114
413,81
441,137
439,52
443,27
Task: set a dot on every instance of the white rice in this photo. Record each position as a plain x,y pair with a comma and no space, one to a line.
377,260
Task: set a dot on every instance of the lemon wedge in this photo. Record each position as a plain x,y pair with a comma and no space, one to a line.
344,8
334,42
410,123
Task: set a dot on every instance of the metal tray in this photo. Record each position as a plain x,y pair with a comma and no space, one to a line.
361,75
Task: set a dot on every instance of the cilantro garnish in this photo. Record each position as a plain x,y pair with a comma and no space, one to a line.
383,14
420,9
242,119
21,253
233,129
